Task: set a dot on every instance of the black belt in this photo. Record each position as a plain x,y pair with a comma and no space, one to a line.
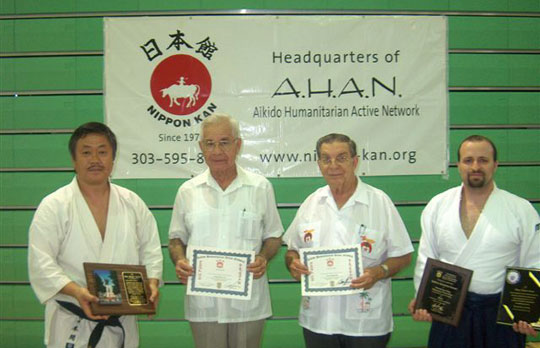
475,301
95,336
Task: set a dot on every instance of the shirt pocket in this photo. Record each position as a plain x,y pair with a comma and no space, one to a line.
309,234
310,306
365,305
372,244
250,231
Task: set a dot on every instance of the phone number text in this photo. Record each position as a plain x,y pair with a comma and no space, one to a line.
149,158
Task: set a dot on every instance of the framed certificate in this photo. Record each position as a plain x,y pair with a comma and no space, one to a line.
220,273
332,270
443,290
120,289
520,299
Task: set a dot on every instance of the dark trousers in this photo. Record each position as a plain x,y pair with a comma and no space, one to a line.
317,340
477,328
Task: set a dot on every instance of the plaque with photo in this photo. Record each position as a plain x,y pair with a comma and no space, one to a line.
120,289
520,299
443,290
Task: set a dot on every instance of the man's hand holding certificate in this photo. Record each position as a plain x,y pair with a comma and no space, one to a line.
220,273
331,270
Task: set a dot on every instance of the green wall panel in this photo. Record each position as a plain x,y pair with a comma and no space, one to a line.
68,112
154,333
29,188
402,293
276,268
15,223
61,6
14,267
35,150
86,34
21,334
493,33
14,192
49,35
50,112
50,150
67,73
165,334
285,297
163,219
409,333
487,108
20,302
51,73
159,334
493,70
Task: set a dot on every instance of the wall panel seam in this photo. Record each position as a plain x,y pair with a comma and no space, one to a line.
100,53
74,92
279,205
265,12
36,131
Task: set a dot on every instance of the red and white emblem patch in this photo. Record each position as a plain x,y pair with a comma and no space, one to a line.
181,84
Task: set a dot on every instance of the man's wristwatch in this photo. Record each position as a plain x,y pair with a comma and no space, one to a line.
385,270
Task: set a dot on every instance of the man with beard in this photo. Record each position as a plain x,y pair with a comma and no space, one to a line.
482,228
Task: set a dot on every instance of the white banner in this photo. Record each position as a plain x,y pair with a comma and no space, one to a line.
289,80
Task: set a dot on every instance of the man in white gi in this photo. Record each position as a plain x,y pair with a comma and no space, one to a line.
225,207
89,220
482,228
349,212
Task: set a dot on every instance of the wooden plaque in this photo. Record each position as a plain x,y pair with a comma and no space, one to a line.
520,299
121,289
443,290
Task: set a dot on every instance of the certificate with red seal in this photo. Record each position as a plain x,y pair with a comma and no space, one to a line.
331,270
220,273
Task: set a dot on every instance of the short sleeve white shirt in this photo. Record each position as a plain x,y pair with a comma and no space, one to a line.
369,218
240,218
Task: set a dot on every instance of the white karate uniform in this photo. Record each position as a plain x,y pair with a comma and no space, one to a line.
64,234
369,218
241,218
506,234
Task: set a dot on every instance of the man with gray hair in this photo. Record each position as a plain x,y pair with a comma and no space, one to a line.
348,212
225,207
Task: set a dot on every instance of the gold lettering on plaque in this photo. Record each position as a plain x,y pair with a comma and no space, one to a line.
135,289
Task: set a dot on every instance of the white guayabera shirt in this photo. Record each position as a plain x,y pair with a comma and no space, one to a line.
239,218
370,219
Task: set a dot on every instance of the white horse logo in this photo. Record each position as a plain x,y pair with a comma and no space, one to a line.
181,91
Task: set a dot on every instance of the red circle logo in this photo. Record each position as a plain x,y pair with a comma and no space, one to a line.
181,84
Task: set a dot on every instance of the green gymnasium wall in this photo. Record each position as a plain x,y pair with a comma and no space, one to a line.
51,77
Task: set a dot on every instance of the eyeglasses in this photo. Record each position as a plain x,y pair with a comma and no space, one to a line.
341,159
224,145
